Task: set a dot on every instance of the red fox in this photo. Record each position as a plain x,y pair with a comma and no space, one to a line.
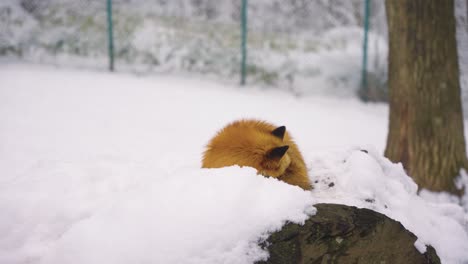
260,145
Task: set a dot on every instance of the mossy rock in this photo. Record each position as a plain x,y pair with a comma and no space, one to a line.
345,234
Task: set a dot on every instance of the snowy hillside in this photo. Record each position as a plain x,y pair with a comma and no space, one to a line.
105,168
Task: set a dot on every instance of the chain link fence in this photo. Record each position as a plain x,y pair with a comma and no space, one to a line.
301,46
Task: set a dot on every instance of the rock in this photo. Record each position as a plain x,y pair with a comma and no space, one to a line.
345,234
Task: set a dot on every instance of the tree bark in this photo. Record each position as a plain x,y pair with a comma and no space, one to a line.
426,121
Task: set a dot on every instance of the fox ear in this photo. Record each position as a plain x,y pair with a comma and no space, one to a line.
278,152
279,132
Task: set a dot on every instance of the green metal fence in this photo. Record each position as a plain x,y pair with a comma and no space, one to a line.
364,84
110,39
295,45
243,41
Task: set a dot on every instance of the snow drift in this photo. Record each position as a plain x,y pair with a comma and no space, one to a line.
106,168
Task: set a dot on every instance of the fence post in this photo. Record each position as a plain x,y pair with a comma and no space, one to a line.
110,35
243,41
364,50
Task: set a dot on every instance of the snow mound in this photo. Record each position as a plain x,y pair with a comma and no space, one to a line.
124,213
365,179
104,168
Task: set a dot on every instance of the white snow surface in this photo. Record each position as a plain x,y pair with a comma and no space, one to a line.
105,168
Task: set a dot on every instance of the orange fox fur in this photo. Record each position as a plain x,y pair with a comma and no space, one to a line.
260,145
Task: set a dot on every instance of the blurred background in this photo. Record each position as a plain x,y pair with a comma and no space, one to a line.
305,47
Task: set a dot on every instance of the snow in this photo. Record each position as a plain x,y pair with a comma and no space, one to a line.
105,168
187,216
286,49
369,180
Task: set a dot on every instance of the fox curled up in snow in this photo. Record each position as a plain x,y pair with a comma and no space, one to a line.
260,145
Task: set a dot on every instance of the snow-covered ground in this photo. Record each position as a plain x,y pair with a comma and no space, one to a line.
105,168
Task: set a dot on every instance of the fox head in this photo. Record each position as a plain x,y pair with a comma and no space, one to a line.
275,159
256,145
275,162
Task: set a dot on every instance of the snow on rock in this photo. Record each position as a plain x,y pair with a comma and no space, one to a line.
114,213
365,179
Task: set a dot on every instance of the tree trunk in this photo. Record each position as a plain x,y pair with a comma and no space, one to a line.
426,121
